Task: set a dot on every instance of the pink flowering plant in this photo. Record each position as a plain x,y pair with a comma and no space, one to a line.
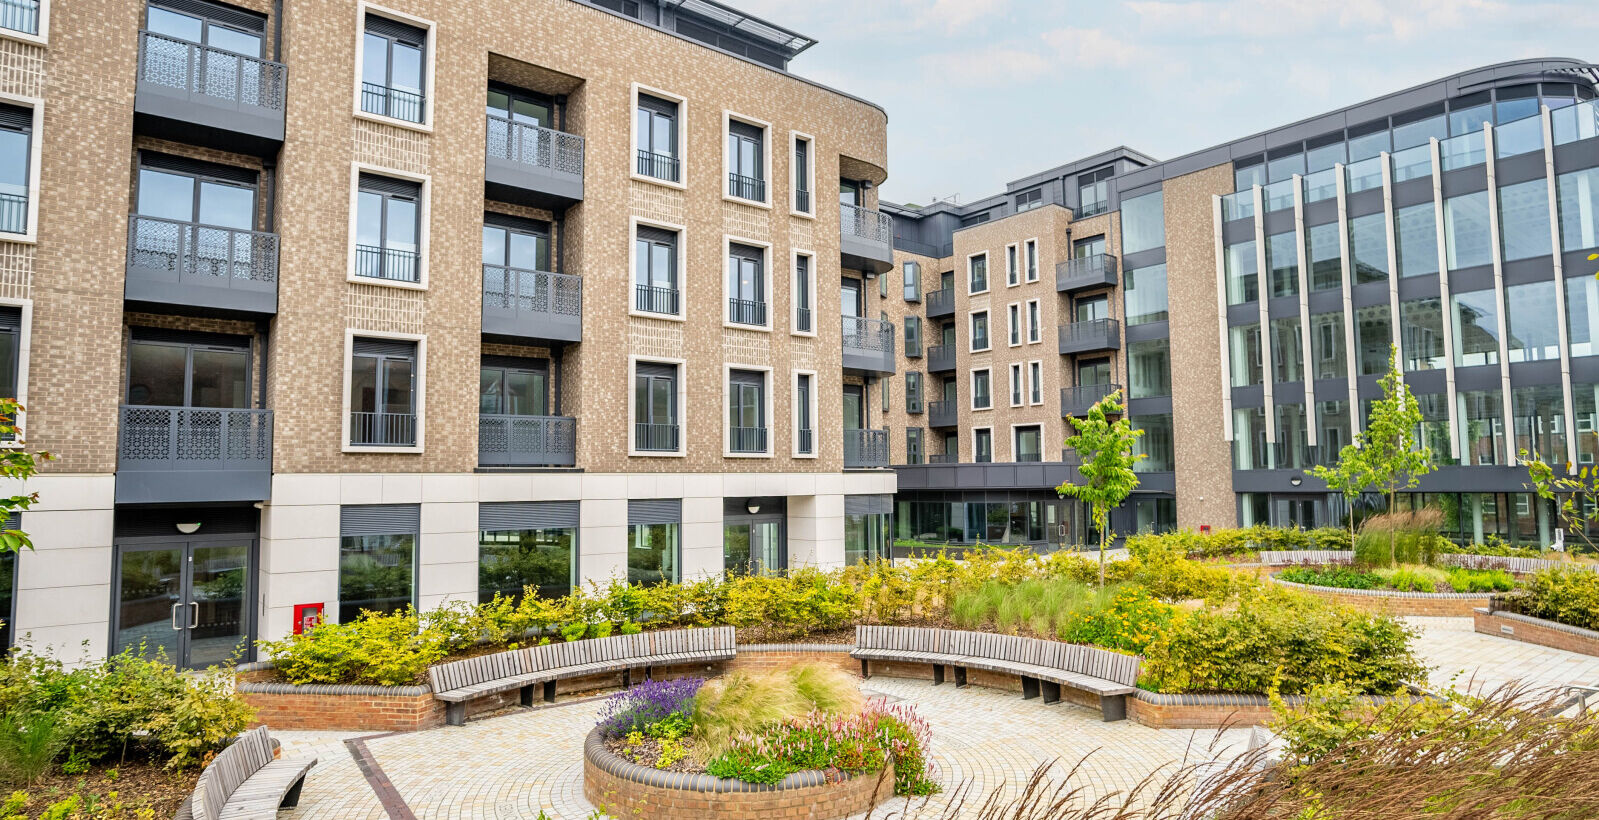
840,745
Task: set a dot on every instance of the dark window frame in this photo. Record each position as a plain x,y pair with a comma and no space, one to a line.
387,189
648,295
393,32
380,387
651,374
658,112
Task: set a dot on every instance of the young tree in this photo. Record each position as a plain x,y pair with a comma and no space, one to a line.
1347,477
1105,449
17,465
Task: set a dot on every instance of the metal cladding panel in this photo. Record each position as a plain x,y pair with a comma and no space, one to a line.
868,504
527,515
655,511
380,519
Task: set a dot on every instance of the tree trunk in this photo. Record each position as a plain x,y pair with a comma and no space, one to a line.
1104,540
1393,534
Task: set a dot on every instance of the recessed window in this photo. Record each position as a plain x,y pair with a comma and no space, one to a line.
802,175
16,156
746,285
1035,382
1093,192
980,331
914,446
746,411
655,425
1033,320
1012,266
21,16
179,369
656,119
377,558
655,270
1028,444
654,541
1032,260
804,425
1017,387
913,337
1014,325
913,281
199,217
913,391
977,273
1028,200
388,226
527,544
982,446
746,164
10,365
982,397
383,376
804,294
393,61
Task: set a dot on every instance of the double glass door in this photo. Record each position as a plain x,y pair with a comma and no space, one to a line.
186,600
753,544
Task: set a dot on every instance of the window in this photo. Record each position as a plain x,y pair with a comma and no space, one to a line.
866,528
1149,368
1417,227
1282,258
975,219
746,411
804,294
746,285
1155,444
1368,244
1012,271
1476,328
388,226
913,337
1244,354
393,60
804,427
1093,194
1032,259
513,387
656,120
1532,337
1017,388
1014,311
377,558
1287,354
914,453
982,446
655,270
11,366
1421,329
1524,219
20,16
1034,330
193,214
882,290
523,545
913,391
383,393
1538,414
1374,338
1466,242
1582,315
746,164
655,427
1035,382
1326,257
1028,200
1578,194
177,369
1093,308
1143,223
222,28
1088,248
913,281
8,593
851,192
1145,292
1028,444
977,274
883,389
513,243
1242,268
16,161
654,541
1482,427
802,175
981,398
979,331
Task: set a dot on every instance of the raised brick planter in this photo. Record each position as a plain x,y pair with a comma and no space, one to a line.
624,789
1528,629
1209,711
1392,602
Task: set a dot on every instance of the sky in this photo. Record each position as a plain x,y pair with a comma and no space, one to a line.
983,92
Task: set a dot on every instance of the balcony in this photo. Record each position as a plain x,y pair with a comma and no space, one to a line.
865,239
942,414
204,266
868,345
1090,337
392,264
743,187
208,96
807,441
660,438
382,429
526,441
865,449
1086,273
940,303
185,455
1075,401
531,165
746,312
655,300
944,458
747,440
532,304
659,166
940,358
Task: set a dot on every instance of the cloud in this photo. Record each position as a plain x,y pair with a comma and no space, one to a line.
1007,65
1399,19
1082,48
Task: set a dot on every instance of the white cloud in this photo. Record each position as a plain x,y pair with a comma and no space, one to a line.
990,66
1089,48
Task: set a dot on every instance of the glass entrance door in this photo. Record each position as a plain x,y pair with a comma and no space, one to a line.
185,600
753,544
1296,512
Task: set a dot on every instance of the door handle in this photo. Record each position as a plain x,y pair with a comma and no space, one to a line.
194,619
175,625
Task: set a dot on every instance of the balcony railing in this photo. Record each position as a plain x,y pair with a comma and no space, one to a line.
873,226
1075,401
392,264
942,413
655,437
940,358
802,200
940,303
189,263
175,454
526,441
868,344
747,439
865,448
865,239
746,312
20,15
655,300
745,187
1096,271
382,429
807,441
659,166
1093,335
802,320
943,458
1092,209
224,77
392,102
535,145
532,303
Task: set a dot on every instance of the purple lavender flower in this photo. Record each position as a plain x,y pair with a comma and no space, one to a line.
647,704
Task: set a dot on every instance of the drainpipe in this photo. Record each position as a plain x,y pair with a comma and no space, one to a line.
560,244
277,31
266,350
269,169
555,376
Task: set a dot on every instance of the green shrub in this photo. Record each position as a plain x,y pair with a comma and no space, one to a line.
1480,580
29,744
1131,621
1402,537
383,649
1413,578
1338,577
741,704
1569,596
1036,607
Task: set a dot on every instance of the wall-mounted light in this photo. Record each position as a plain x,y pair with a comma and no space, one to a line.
189,529
753,506
1296,480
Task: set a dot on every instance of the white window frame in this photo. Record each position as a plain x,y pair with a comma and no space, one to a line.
1015,448
682,407
794,138
429,100
424,218
971,331
24,351
766,285
988,276
972,386
682,265
1013,255
1035,322
728,117
40,39
1013,329
794,255
1035,382
1030,254
993,454
768,400
682,138
1018,385
794,416
421,341
30,234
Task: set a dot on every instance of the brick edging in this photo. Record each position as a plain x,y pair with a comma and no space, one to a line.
615,765
1161,699
356,689
1536,631
844,648
1386,593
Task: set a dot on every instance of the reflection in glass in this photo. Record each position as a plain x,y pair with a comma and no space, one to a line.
1149,368
1540,419
652,552
1533,337
1582,315
1466,237
1417,227
1327,346
376,572
1287,355
1143,223
1242,270
1155,443
1326,257
1244,354
1282,257
1421,329
1524,219
1368,245
1145,292
1578,194
1374,339
510,561
1482,427
1476,328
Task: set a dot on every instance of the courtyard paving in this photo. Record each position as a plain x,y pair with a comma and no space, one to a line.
514,766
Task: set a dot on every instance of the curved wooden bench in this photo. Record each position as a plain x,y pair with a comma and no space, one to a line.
458,682
1044,666
244,782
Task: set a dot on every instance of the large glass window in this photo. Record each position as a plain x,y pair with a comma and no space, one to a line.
655,407
1434,430
746,165
16,133
1242,270
913,281
391,69
1417,227
1582,315
388,228
1524,219
802,299
377,573
1368,244
1248,176
1324,157
915,447
1539,414
1374,338
1466,237
1369,144
655,271
1251,449
1476,328
803,396
1326,257
865,537
1245,353
656,123
1468,119
977,273
383,393
201,373
652,553
516,244
1143,223
1585,401
232,37
511,561
1418,132
982,446
1482,427
224,199
1027,445
1327,346
1149,368
1155,444
1282,257
1332,426
1421,329
1579,208
1533,336
1293,438
1145,292
1288,357
514,389
8,586
1093,192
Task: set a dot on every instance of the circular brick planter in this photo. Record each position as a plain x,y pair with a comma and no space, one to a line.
1393,602
622,788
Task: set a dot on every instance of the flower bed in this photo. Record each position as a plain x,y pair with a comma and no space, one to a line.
1409,578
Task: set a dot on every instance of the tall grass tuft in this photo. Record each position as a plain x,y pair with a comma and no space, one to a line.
1402,537
1038,606
29,745
741,703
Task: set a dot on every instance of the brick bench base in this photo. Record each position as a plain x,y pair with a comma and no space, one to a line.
1536,631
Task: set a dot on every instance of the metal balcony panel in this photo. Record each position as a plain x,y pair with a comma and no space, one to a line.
201,266
865,449
208,96
868,345
940,358
190,455
1090,337
1086,273
942,413
940,303
534,166
1076,401
526,441
865,239
529,304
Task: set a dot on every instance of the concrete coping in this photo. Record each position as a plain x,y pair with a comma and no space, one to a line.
1159,699
1528,619
348,689
617,766
841,648
1390,593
